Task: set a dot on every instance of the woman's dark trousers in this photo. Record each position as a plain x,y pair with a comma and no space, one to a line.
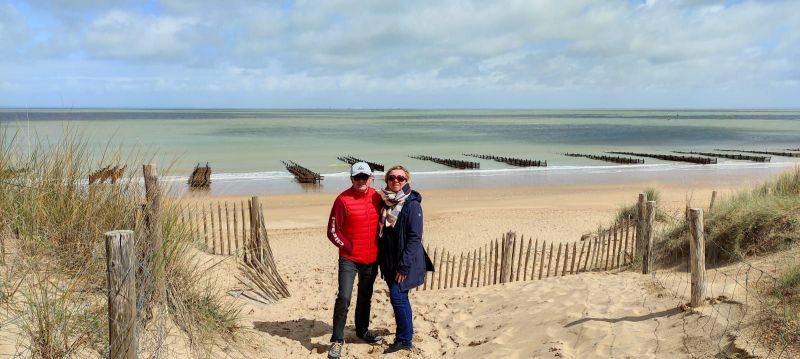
366,278
402,312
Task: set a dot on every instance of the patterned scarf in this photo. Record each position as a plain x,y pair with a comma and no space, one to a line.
393,202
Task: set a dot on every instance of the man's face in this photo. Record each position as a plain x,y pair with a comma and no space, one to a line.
361,182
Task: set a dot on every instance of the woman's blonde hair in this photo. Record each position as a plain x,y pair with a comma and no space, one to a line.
396,167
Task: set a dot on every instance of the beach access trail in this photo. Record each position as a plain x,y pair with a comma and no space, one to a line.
605,314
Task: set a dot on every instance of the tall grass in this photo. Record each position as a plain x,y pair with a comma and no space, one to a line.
52,224
759,220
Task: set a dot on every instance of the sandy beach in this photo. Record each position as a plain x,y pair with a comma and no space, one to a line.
604,315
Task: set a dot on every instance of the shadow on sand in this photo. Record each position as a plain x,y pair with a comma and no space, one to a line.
302,330
663,313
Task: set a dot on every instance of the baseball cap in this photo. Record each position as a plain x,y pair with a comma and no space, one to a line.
359,168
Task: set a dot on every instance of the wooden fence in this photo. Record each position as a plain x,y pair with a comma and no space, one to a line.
511,258
224,227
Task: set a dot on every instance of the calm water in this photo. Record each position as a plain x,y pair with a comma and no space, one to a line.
247,145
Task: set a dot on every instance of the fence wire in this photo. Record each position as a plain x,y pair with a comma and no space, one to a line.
741,315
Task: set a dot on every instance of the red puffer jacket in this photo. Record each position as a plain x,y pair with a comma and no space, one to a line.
353,225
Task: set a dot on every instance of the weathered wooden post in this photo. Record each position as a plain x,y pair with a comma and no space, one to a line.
253,246
121,277
698,256
647,261
713,198
152,212
506,263
641,211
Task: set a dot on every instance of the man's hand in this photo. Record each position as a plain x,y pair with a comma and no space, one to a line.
399,277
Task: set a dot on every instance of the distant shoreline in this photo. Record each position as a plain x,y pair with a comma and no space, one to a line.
725,175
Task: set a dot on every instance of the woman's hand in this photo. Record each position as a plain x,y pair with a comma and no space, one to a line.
399,277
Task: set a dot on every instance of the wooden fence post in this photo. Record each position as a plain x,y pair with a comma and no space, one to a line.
550,260
541,262
152,212
533,264
647,262
458,277
508,255
121,278
527,258
698,257
641,211
713,198
254,245
558,259
519,257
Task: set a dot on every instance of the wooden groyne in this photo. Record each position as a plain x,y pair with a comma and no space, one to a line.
201,177
112,174
519,162
733,157
350,160
448,162
302,174
774,153
615,159
793,149
690,159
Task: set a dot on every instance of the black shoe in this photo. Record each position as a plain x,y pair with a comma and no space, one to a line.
370,337
398,346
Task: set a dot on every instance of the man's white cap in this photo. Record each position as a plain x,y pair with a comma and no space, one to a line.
359,168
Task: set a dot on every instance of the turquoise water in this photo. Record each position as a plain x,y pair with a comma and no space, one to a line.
249,144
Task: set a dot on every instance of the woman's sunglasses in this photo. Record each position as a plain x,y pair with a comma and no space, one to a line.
396,178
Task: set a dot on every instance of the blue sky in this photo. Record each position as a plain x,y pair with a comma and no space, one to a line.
400,54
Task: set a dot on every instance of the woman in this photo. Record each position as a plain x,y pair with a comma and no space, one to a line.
403,260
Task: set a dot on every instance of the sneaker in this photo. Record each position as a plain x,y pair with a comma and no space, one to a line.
370,337
335,351
398,346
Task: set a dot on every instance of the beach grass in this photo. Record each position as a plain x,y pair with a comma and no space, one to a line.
54,273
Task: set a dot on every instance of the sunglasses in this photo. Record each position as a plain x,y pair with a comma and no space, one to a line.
361,177
396,178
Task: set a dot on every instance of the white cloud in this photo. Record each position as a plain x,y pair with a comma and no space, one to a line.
438,48
127,35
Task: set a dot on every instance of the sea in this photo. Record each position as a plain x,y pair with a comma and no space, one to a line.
245,148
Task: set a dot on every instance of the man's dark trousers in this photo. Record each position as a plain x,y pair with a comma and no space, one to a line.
366,278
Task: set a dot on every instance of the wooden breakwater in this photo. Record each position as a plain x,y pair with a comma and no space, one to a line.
350,160
793,149
302,174
200,177
112,174
519,162
676,158
511,258
448,162
729,156
615,159
774,153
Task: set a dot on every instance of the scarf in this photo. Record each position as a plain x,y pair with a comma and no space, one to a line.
393,204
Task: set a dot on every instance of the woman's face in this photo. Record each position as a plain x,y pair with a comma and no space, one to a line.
396,180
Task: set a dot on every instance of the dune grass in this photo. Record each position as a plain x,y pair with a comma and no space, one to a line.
54,277
754,221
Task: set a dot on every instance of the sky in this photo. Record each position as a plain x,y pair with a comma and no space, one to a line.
400,54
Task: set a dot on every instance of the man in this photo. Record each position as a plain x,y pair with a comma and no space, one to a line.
353,228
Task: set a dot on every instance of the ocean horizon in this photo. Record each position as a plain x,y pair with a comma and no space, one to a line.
245,146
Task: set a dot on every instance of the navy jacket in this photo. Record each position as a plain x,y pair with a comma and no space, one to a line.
400,248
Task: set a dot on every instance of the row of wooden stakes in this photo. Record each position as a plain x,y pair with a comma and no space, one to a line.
448,162
519,162
212,225
508,260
